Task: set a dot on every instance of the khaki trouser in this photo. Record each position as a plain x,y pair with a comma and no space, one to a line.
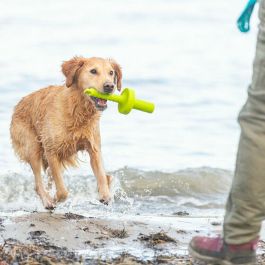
245,209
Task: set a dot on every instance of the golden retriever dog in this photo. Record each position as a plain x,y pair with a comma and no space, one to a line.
51,125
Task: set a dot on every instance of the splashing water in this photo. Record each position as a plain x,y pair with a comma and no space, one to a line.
134,191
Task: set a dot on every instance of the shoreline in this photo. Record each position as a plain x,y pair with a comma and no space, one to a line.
51,238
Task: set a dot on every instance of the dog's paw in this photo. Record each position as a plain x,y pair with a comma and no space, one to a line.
104,196
50,206
61,196
48,202
105,202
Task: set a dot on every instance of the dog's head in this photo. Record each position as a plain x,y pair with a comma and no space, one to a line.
102,74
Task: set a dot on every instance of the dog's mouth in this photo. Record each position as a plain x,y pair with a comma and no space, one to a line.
100,104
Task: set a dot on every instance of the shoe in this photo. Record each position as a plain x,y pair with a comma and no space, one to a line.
216,251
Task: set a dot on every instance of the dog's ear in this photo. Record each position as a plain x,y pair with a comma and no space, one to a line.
118,73
70,68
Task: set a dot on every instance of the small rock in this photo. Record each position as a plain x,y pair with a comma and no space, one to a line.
181,213
73,216
216,223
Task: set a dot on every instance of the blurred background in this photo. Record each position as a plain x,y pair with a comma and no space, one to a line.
186,56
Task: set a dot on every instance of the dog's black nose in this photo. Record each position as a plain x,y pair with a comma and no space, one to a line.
108,87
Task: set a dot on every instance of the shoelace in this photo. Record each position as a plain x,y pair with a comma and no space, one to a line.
243,22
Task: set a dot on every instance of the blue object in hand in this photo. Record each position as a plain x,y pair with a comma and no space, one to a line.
244,19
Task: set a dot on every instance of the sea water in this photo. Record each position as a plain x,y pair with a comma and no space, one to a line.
185,56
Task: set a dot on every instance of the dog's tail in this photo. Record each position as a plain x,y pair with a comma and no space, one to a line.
71,161
45,164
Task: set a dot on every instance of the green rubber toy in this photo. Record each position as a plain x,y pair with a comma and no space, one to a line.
127,100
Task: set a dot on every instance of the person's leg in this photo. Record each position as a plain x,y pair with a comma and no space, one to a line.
246,202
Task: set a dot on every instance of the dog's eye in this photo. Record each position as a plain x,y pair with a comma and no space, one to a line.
111,72
93,71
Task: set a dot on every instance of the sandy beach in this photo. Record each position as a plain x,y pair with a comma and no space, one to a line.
172,169
50,238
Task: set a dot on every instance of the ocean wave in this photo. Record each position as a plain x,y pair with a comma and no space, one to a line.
195,181
134,191
203,181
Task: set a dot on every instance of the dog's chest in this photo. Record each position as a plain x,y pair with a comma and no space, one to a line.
76,138
82,139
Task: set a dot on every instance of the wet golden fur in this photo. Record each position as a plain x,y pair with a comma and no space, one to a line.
51,125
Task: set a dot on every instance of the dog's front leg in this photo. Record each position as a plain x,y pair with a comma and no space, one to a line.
102,178
55,167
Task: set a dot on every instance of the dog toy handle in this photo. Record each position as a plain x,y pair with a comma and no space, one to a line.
243,22
126,101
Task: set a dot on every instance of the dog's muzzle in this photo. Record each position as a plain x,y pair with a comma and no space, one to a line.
100,104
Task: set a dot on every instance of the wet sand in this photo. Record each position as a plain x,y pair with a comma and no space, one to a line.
50,238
